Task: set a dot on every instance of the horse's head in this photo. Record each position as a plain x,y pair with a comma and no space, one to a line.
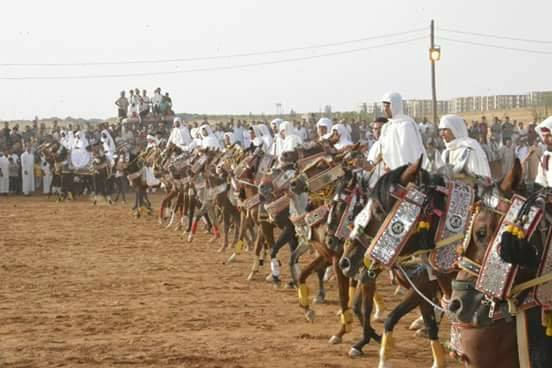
468,305
379,205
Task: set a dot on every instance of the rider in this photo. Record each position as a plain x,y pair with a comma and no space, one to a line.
463,156
324,128
339,137
208,139
544,174
401,140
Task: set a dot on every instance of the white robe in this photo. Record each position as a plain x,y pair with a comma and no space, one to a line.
27,170
344,140
5,178
544,177
108,146
463,154
401,140
373,156
80,157
47,177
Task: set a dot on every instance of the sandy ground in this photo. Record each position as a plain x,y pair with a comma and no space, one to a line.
84,286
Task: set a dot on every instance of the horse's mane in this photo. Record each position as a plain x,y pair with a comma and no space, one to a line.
382,189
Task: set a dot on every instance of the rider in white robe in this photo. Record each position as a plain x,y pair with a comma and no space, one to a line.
290,140
208,139
544,170
266,137
108,146
343,140
324,128
277,141
4,174
80,157
401,140
463,155
27,170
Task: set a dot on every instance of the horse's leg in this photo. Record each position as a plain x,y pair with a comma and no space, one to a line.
302,247
409,302
303,290
286,236
346,313
437,349
259,243
238,245
366,298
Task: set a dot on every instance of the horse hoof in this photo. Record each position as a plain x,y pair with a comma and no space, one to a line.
354,353
231,259
221,249
383,364
334,340
268,278
417,324
160,221
309,315
319,299
190,238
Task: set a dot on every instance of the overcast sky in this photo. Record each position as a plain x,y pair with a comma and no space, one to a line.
118,31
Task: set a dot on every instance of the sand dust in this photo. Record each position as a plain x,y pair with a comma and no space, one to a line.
84,286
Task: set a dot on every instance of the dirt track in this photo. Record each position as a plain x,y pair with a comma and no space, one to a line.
84,286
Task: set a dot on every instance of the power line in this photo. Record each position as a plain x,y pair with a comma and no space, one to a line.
495,36
215,57
541,52
206,69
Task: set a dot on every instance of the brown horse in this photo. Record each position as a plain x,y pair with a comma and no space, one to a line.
484,341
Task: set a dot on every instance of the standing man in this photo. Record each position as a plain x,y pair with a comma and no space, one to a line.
27,171
400,138
4,174
122,104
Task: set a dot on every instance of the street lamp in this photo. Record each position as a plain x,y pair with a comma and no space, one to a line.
434,56
435,53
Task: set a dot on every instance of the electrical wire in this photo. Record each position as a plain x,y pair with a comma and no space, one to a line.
216,68
541,52
494,36
216,57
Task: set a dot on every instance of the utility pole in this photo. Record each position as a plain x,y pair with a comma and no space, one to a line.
432,58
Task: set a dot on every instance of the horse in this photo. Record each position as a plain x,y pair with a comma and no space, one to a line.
423,291
482,338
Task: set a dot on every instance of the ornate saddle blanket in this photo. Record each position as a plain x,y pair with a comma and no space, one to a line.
496,276
456,219
398,226
325,178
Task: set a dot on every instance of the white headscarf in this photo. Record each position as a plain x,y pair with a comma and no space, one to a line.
477,163
401,140
327,123
547,123
343,136
266,137
292,140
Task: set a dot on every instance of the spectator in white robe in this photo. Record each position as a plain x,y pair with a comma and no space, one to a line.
27,171
46,175
400,137
208,139
463,155
340,137
4,174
